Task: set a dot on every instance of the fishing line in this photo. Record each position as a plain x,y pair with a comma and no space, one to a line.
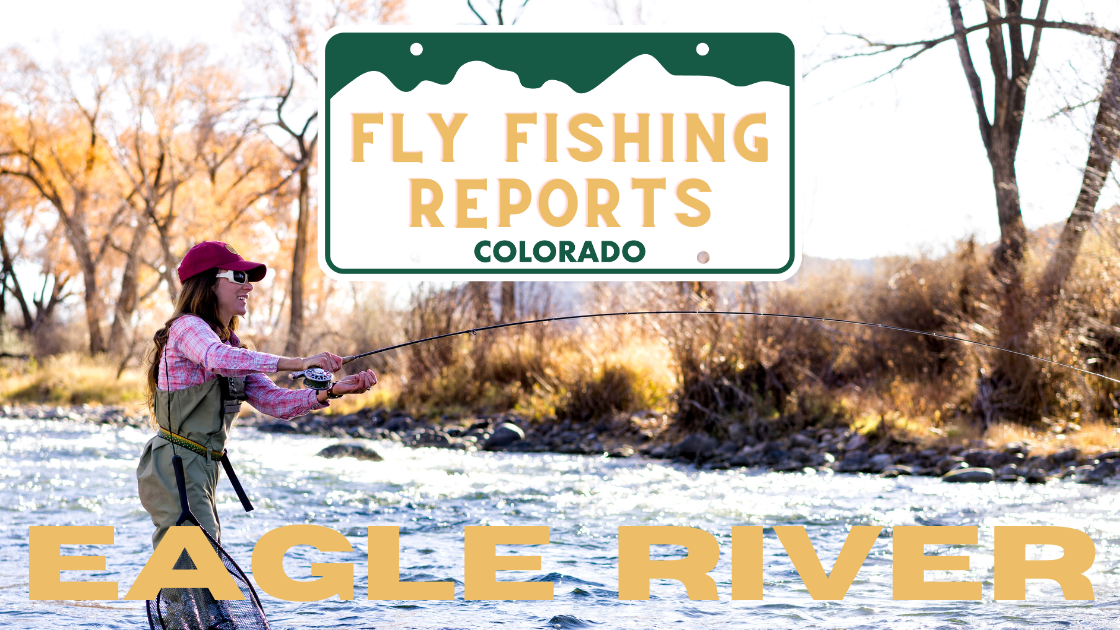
832,320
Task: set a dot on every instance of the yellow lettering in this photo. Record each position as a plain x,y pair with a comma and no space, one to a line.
334,578
447,132
399,154
515,137
506,207
666,137
385,571
647,186
910,563
833,585
46,562
361,136
704,213
425,210
595,148
760,153
623,137
595,209
543,203
466,202
159,573
1013,569
746,563
713,142
550,137
635,569
482,563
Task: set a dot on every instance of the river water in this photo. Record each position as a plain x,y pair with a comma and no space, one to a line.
69,473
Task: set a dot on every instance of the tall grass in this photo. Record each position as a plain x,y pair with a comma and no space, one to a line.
69,379
727,376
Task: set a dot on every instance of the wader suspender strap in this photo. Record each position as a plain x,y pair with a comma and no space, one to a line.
180,481
241,496
233,392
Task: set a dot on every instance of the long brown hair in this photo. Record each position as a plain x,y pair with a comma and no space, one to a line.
198,298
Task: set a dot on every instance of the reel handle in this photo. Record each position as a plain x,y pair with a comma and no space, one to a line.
314,378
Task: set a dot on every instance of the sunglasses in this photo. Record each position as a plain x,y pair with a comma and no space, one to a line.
236,277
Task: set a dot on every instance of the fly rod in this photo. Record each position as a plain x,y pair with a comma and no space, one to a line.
318,378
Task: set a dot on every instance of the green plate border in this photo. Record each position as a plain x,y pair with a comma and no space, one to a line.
599,55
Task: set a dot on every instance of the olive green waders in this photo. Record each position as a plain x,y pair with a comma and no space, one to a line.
199,423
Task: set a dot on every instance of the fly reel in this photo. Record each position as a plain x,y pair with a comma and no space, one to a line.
314,378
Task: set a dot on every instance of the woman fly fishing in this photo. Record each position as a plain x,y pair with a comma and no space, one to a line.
198,376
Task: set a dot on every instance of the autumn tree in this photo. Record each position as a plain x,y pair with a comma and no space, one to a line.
1013,41
23,239
51,143
188,155
286,37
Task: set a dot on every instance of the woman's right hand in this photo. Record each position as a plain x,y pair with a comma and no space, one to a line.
327,361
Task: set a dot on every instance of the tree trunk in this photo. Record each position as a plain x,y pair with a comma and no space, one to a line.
299,261
77,234
126,301
17,291
1011,385
509,302
481,308
94,307
1103,148
169,263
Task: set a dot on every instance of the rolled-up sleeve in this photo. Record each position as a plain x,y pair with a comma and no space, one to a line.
269,398
199,343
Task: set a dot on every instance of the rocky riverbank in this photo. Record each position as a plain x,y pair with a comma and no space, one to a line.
836,449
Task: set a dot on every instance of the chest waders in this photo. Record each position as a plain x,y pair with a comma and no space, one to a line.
177,478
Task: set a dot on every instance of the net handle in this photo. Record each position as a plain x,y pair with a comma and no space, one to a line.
181,482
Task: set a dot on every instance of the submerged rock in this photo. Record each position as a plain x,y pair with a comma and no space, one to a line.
897,471
697,445
854,461
946,464
569,621
1068,455
747,456
357,451
976,458
1096,474
880,462
787,465
969,475
624,451
279,427
507,433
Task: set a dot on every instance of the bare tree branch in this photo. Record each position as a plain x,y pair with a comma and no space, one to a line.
970,73
1039,24
476,13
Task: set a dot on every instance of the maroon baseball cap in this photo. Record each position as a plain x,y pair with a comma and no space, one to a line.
216,254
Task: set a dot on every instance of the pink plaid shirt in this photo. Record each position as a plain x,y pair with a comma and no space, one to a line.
195,354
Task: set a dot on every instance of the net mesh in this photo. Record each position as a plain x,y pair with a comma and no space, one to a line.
196,609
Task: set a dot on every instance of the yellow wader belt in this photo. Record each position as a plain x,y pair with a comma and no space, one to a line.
191,445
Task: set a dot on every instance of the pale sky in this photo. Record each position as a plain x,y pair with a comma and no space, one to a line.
889,167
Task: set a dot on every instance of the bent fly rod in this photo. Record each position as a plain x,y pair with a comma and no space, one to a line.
318,378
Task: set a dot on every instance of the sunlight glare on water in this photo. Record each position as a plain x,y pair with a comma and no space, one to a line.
67,473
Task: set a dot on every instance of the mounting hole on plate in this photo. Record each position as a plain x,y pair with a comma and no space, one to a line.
701,49
416,49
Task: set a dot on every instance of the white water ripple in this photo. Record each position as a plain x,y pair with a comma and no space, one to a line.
67,473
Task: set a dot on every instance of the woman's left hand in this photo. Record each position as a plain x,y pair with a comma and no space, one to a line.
355,383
